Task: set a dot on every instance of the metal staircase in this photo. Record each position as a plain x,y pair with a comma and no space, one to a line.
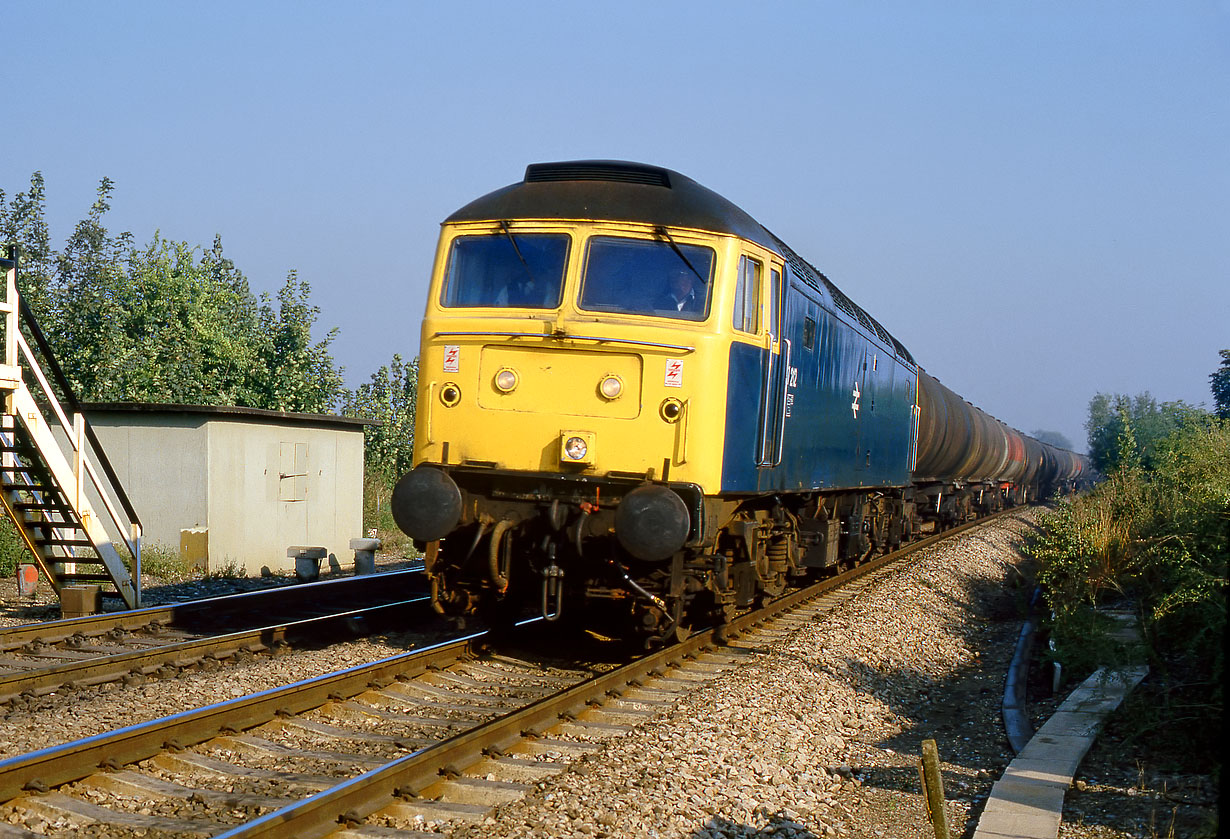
50,460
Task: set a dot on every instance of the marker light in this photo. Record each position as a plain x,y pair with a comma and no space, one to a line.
506,380
575,448
450,394
670,409
611,387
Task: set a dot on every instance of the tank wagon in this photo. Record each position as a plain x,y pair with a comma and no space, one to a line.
639,407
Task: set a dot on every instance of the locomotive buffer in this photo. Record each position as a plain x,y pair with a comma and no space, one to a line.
50,482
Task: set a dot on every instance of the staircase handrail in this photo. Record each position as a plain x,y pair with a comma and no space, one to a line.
70,397
85,459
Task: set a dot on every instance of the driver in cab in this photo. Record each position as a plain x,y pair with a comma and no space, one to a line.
681,293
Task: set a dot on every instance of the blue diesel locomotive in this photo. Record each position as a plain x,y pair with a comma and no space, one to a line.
640,408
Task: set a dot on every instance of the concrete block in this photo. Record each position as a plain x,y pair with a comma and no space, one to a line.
1064,754
364,555
1027,802
307,560
1025,797
1008,824
194,548
1065,723
1024,770
80,601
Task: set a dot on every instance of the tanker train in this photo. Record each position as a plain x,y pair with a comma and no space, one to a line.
640,408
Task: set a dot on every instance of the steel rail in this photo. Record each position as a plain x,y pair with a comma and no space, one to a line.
359,797
362,795
281,600
107,668
73,761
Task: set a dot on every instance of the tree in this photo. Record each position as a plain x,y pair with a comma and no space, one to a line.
1220,380
22,223
1053,438
296,374
167,322
1151,425
387,398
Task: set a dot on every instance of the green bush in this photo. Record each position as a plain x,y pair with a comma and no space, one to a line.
1157,538
12,548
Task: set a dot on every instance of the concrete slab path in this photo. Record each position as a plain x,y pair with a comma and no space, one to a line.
1027,802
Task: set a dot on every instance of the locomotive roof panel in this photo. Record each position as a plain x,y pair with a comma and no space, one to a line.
615,190
620,190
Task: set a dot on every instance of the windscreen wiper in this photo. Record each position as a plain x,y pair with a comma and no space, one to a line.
662,231
517,250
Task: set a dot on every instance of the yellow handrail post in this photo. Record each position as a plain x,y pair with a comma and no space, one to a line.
79,458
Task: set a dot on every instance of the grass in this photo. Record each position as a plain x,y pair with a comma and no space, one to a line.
378,518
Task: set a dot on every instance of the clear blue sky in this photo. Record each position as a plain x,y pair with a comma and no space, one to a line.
1033,196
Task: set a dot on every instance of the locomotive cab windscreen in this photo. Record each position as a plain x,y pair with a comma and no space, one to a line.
506,270
647,277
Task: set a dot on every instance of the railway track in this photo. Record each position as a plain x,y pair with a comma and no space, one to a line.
41,658
434,735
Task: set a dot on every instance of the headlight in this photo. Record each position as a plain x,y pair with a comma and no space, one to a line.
611,387
506,380
576,447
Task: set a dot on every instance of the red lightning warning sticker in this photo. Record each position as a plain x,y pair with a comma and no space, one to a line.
674,372
452,359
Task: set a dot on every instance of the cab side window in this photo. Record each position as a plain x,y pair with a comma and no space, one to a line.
775,299
747,296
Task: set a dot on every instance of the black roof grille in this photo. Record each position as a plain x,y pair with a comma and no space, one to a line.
808,273
598,170
902,351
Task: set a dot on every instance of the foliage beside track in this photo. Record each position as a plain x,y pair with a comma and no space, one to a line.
1219,380
388,397
12,549
167,321
1155,534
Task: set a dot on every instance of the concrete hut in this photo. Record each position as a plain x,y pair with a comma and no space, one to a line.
237,488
